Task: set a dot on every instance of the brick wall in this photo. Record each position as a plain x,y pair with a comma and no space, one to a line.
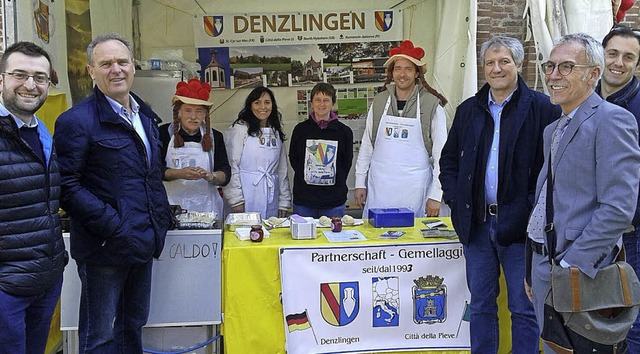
504,17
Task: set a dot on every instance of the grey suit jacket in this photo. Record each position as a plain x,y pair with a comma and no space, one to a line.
596,173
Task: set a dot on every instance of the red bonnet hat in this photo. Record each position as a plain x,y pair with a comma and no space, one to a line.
408,51
193,92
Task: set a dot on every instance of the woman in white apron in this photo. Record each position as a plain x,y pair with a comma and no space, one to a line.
259,172
196,164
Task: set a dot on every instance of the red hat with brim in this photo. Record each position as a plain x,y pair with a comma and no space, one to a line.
407,51
193,92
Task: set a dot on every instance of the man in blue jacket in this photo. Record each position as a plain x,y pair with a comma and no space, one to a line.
619,85
32,255
112,188
488,170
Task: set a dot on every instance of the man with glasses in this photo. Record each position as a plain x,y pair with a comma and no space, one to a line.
620,86
488,171
32,255
111,167
591,168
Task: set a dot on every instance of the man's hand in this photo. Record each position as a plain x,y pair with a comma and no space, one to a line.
527,290
360,195
433,207
238,208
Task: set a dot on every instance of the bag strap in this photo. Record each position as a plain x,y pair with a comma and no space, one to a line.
624,281
622,255
575,290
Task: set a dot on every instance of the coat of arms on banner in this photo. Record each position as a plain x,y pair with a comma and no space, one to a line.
339,302
429,300
41,18
213,25
386,301
384,20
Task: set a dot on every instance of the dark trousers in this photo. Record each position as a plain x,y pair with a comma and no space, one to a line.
114,305
25,321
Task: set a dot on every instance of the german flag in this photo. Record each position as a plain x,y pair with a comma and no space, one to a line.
298,321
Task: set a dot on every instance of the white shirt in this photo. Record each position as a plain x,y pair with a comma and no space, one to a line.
133,118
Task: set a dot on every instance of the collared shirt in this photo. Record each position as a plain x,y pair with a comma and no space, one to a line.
538,217
132,118
28,132
491,173
5,112
570,117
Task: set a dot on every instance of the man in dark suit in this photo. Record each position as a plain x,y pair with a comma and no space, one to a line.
109,153
594,155
488,171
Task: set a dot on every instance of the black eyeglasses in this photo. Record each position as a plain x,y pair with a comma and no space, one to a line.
564,68
39,79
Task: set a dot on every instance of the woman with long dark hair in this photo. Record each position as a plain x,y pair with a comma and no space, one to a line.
255,146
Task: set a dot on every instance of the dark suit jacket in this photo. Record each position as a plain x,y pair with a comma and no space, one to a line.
463,162
114,193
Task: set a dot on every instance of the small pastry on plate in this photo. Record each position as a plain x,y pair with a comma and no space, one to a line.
325,221
348,220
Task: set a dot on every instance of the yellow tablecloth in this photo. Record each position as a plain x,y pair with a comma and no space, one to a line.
251,305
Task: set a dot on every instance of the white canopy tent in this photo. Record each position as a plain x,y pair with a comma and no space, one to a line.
446,29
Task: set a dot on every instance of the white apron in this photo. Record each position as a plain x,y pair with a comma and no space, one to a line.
400,172
193,195
258,173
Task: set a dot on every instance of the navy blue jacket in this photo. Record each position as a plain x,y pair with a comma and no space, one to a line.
464,160
629,99
116,202
32,255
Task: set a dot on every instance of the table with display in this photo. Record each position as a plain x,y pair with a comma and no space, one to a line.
251,300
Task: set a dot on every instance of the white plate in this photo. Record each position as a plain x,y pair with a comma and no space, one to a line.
285,223
356,222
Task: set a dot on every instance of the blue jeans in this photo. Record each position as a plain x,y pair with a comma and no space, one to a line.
318,212
25,321
484,257
632,251
114,305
